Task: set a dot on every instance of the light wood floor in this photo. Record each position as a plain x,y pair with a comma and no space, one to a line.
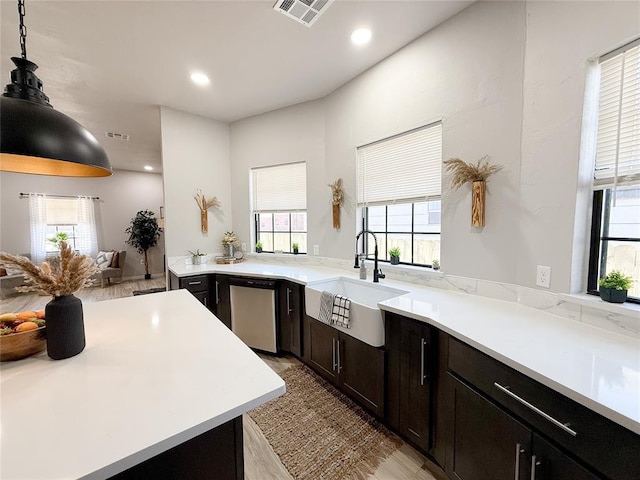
261,462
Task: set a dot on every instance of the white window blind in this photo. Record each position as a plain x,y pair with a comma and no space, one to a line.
405,167
281,188
618,140
62,211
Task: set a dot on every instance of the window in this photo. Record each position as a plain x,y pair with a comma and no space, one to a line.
399,180
50,216
615,229
280,206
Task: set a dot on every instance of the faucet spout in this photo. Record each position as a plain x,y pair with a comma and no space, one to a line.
377,273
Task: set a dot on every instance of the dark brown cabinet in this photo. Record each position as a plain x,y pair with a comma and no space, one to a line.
290,300
354,366
198,285
408,378
221,298
501,423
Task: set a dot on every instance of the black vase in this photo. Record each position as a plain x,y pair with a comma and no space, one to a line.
65,327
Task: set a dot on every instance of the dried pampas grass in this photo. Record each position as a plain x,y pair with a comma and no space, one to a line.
205,203
63,276
469,172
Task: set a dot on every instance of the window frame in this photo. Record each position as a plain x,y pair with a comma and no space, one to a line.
257,229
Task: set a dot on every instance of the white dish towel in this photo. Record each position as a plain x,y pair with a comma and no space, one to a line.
326,307
340,311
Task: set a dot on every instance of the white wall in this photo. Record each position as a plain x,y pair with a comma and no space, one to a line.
195,155
121,196
294,134
507,80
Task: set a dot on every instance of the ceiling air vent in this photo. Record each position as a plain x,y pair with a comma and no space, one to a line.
302,11
117,136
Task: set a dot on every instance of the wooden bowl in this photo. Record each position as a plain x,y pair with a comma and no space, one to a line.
22,345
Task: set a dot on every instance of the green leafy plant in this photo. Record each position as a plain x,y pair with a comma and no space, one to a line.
295,246
617,280
258,245
143,234
59,237
394,252
435,264
197,253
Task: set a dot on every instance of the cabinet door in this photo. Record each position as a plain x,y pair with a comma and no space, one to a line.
290,318
414,383
222,299
203,297
361,371
486,443
322,351
549,463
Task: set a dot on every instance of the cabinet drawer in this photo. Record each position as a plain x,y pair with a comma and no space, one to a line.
196,283
604,445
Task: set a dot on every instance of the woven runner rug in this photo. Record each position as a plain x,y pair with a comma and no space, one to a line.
319,433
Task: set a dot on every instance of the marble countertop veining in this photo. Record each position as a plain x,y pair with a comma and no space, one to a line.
597,368
157,370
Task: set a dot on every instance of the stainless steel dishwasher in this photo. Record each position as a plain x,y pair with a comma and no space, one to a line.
253,312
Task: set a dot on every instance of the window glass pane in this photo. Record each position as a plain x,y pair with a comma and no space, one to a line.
399,217
301,240
281,223
299,222
376,218
382,247
267,241
265,221
420,217
426,249
622,256
624,220
281,241
403,242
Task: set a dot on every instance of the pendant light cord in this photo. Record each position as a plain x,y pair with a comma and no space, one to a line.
23,29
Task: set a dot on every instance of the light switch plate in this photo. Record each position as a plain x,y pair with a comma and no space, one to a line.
316,249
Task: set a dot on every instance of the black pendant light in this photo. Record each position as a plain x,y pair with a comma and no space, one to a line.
35,138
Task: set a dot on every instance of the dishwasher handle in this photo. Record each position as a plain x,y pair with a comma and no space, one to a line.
253,283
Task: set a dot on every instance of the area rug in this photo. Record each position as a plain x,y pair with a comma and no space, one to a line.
319,433
149,290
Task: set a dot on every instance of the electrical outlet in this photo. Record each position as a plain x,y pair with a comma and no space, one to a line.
142,261
244,247
543,276
316,249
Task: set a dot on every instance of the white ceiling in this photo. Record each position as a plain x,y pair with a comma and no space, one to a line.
110,64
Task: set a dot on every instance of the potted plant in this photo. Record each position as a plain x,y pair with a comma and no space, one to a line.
229,241
435,264
295,247
394,255
143,234
614,287
258,246
59,237
197,258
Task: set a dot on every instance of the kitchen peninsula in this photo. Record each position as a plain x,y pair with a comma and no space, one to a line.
159,372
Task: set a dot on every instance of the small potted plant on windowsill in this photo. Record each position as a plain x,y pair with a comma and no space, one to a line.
394,255
435,264
295,248
198,258
258,246
614,287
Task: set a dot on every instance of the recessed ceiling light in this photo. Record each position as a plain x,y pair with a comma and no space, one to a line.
361,36
148,168
199,78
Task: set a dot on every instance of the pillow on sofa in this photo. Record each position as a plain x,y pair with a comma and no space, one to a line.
3,272
103,260
115,260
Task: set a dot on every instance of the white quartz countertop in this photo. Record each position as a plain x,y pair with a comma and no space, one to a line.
157,370
597,368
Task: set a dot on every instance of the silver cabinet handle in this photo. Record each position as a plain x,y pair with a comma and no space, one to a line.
195,283
333,354
217,293
288,300
205,302
338,350
534,463
546,416
422,344
519,451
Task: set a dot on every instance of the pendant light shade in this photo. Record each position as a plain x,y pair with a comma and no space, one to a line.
35,138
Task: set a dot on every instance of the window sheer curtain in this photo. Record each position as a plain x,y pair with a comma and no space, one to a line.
86,237
38,226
